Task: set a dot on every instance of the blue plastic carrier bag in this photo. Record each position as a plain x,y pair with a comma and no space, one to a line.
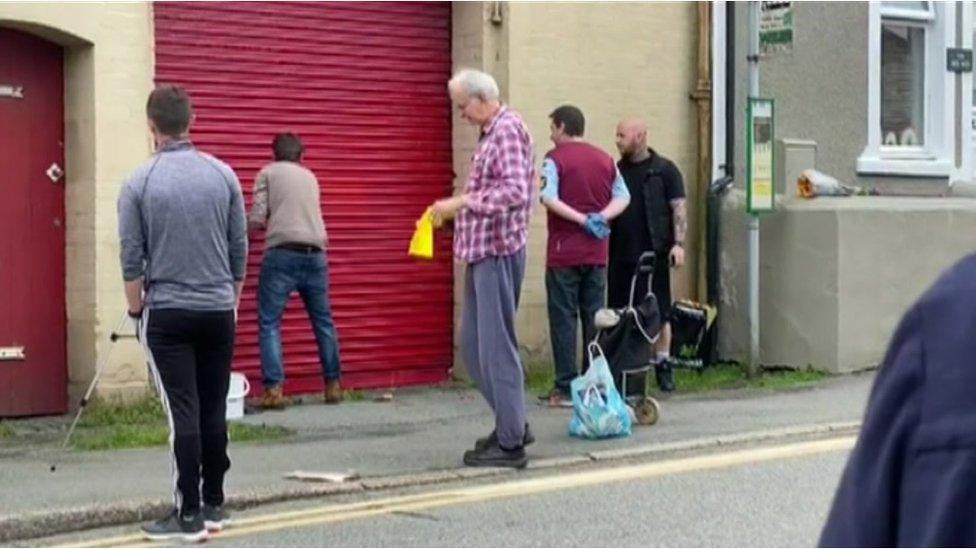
598,410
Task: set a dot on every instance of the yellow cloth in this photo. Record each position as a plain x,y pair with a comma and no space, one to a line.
422,243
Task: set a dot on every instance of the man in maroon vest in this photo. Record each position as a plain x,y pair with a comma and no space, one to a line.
582,190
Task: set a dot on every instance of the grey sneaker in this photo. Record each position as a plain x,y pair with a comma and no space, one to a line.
215,518
176,527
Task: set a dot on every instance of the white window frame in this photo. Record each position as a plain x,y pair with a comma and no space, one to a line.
719,91
935,157
892,12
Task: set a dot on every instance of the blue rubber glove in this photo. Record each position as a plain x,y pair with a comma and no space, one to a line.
603,228
596,226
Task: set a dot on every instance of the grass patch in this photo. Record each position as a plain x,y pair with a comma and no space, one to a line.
733,376
355,395
6,430
720,376
789,378
245,432
100,413
118,437
539,378
114,426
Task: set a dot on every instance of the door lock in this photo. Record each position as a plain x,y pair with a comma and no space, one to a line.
54,173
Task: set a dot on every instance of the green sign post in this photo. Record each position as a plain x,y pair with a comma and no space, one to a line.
760,131
776,28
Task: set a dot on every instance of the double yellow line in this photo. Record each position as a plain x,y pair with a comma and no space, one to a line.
418,502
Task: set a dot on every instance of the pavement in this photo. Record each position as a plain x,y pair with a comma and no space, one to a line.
415,439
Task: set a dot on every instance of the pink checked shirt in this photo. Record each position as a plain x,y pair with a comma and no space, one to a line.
495,219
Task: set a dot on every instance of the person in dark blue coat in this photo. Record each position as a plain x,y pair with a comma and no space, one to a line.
911,478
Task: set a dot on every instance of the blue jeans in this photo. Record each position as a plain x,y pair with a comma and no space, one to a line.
283,272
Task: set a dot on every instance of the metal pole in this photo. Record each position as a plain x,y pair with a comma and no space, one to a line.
753,58
103,361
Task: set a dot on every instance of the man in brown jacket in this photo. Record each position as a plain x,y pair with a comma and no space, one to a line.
286,204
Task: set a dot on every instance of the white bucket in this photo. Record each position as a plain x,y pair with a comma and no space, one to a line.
239,388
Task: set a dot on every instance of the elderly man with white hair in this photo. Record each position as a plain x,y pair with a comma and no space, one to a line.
491,218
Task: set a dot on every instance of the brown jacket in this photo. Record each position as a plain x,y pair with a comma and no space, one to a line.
286,202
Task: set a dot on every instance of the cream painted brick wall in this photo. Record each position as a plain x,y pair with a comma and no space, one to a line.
124,72
611,60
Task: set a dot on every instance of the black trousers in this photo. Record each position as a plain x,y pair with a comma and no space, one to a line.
189,354
620,273
573,296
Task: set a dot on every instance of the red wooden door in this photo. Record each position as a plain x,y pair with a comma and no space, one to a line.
33,361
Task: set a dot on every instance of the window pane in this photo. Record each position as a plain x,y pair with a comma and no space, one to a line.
902,85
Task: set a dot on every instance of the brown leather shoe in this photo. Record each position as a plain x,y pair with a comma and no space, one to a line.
333,392
273,399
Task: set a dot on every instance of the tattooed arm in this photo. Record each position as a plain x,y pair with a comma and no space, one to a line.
679,211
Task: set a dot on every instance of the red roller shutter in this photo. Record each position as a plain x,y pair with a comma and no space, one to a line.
364,85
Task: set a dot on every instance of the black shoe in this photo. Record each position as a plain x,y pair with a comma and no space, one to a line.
665,376
492,439
177,527
495,456
215,518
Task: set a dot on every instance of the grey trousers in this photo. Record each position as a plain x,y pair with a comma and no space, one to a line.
488,342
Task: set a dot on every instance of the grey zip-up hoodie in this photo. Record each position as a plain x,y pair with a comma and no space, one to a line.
182,226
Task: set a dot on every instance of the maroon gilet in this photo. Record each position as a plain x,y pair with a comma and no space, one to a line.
586,175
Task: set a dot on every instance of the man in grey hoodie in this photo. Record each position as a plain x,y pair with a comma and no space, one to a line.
183,240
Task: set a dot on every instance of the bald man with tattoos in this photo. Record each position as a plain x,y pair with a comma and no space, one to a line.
655,220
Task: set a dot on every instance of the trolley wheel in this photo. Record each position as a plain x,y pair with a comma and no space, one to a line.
647,411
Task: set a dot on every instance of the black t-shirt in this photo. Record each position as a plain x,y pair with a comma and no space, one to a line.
631,236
